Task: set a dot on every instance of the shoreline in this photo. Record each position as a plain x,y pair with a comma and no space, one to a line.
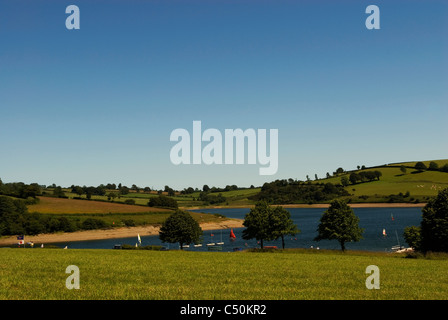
318,205
122,232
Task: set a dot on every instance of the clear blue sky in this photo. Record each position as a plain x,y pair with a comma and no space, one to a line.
97,105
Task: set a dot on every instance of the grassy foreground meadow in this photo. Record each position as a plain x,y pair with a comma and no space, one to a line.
296,274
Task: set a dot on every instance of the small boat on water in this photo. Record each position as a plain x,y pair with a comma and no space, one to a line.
211,243
220,243
198,245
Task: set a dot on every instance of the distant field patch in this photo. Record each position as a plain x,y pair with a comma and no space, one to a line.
71,206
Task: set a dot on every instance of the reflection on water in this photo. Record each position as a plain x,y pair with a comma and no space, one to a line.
373,220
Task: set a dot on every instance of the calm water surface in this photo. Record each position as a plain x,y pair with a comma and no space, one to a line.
373,220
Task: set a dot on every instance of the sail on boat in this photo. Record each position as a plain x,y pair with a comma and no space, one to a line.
384,232
232,235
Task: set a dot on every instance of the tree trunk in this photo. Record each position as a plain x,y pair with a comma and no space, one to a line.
342,246
283,241
262,244
181,246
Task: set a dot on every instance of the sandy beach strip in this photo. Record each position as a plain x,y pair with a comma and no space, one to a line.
123,232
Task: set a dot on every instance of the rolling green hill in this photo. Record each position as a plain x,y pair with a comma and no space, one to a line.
420,185
394,185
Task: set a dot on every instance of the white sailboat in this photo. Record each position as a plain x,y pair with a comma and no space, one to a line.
220,243
211,243
398,246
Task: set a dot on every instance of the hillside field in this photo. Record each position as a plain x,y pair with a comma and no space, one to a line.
51,205
420,185
111,212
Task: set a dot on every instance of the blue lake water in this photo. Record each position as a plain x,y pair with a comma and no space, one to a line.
373,220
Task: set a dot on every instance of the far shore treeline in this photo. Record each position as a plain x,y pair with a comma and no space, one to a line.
360,185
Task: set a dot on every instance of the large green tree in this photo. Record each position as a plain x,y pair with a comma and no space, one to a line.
180,227
282,224
434,225
340,223
265,223
257,223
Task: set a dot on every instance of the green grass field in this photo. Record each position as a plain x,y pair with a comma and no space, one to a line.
298,274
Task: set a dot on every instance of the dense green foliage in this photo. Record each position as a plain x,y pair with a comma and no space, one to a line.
180,227
434,225
16,220
363,176
339,223
163,202
282,225
20,189
287,191
432,234
211,198
265,223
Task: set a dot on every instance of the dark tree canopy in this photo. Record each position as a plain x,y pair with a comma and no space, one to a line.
163,202
340,223
420,166
180,227
434,225
265,223
282,225
284,192
257,223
